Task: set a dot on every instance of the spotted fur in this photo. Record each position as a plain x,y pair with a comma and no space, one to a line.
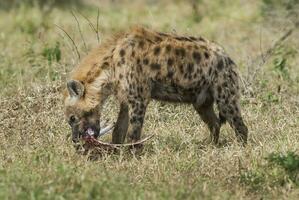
142,64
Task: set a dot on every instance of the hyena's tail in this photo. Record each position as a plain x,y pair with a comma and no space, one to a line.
227,96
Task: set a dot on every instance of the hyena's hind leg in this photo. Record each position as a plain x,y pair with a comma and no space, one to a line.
229,110
206,112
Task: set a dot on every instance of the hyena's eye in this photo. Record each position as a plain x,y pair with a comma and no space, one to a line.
72,120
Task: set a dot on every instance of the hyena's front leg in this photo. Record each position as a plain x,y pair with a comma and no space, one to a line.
121,126
137,108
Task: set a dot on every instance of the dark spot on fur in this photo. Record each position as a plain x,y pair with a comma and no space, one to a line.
226,101
142,106
180,52
170,74
122,52
181,67
132,44
201,39
139,68
178,38
156,51
170,71
192,38
138,61
210,71
206,55
169,62
140,89
183,39
204,47
155,66
168,48
215,73
197,57
232,92
130,101
105,65
133,119
231,110
158,39
145,61
162,34
190,67
230,61
150,41
141,44
120,76
235,119
133,54
220,64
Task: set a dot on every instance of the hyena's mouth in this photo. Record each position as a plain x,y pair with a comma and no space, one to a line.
91,133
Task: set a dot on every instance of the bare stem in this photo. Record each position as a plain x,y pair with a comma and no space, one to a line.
81,35
71,39
92,26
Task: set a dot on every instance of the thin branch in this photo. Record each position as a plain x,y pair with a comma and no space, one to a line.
81,35
261,46
260,60
69,45
98,17
91,26
71,39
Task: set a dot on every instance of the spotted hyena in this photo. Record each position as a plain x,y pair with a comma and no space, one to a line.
141,64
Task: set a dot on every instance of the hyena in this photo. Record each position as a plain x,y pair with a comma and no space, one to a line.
141,64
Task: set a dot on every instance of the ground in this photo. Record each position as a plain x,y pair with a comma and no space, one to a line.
37,160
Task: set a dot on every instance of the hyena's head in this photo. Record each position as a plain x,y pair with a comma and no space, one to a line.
82,115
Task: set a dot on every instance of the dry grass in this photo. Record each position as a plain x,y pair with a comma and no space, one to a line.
37,161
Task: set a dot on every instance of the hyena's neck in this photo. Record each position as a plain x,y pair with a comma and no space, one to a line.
101,88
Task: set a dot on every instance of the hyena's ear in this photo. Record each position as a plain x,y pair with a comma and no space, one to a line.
75,88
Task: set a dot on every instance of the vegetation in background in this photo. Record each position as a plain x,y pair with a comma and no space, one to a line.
279,170
43,4
52,53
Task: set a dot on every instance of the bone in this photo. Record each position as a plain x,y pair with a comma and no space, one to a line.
106,129
108,146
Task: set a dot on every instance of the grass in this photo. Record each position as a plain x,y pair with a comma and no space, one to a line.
37,160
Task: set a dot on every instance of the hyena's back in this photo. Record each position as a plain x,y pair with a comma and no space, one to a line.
177,68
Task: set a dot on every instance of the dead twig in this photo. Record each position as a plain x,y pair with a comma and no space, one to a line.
70,46
98,19
95,29
261,59
71,39
80,32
